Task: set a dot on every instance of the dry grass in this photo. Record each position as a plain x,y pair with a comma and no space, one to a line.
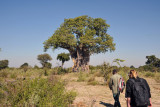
101,95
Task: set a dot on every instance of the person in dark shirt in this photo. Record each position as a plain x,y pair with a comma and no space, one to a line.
129,89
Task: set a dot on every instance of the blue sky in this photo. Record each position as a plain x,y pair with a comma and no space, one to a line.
26,24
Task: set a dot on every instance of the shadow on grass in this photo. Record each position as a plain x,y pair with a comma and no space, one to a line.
106,104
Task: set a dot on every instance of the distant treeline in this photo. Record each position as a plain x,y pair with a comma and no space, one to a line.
152,64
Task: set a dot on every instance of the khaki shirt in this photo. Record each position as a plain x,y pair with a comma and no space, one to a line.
113,83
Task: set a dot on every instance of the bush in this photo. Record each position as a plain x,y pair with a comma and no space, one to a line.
36,67
91,67
13,75
63,70
39,92
124,74
4,64
92,81
81,77
98,74
157,77
149,74
2,95
4,74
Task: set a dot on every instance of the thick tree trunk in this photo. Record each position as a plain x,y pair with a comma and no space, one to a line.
80,59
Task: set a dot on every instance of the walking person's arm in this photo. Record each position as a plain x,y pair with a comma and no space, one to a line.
128,102
110,84
150,103
128,94
149,93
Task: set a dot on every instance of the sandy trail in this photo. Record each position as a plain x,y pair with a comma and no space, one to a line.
101,96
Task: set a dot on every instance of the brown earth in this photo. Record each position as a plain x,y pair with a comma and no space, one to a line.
101,95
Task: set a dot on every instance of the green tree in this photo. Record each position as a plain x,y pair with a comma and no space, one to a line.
81,36
4,64
153,61
36,67
118,61
63,57
132,67
48,65
24,66
44,58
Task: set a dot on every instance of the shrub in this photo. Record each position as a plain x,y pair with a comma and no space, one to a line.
36,67
92,81
45,71
63,70
39,92
2,95
81,76
4,64
149,74
13,75
124,74
157,77
48,65
98,74
4,74
91,67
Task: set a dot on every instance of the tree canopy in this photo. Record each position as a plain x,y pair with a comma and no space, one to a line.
24,65
81,36
118,61
153,60
82,31
63,57
44,58
4,64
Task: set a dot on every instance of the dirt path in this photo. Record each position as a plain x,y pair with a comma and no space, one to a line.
101,96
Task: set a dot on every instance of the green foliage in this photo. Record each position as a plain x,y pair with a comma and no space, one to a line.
44,58
61,70
4,74
157,77
82,76
38,92
36,67
106,71
45,72
92,81
132,67
63,57
149,74
92,68
24,66
124,74
4,64
13,75
149,67
153,61
82,34
118,61
48,65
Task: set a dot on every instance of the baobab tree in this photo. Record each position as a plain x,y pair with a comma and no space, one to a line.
82,36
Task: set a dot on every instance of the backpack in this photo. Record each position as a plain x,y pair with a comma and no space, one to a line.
121,85
140,93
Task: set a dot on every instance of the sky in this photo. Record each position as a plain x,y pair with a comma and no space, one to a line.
26,24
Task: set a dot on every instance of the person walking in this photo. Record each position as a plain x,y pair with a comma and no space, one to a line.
113,85
137,91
